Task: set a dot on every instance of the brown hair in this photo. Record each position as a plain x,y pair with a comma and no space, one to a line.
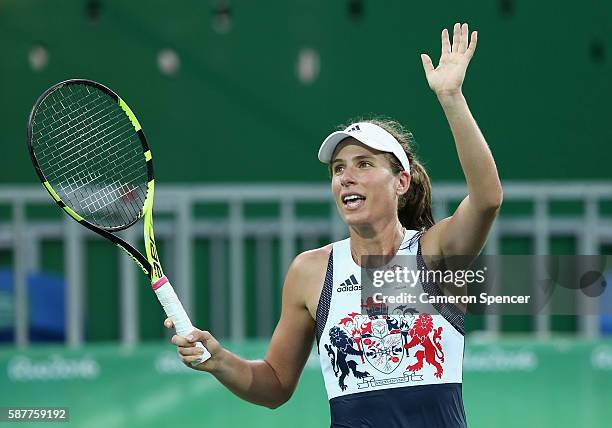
414,206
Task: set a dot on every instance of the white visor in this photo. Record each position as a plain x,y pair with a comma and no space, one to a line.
369,134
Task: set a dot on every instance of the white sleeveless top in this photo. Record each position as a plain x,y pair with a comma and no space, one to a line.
374,351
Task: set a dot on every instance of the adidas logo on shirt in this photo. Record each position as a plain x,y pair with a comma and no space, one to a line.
349,285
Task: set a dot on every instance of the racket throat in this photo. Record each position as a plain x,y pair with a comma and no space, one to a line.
151,248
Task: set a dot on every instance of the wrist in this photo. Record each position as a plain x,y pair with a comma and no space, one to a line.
450,98
219,362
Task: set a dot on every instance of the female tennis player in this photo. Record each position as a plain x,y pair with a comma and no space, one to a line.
402,369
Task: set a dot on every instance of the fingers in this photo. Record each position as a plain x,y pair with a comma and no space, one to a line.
189,355
192,338
446,47
189,352
182,341
186,348
427,64
461,40
168,323
456,38
473,42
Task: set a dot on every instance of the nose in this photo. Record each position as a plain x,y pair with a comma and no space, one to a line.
347,178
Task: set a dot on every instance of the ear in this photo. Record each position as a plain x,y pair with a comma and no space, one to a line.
403,183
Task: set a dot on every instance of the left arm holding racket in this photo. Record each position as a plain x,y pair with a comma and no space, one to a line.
91,155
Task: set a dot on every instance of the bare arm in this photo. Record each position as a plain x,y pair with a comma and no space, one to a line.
465,232
269,382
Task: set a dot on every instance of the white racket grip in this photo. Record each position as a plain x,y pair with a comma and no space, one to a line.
175,311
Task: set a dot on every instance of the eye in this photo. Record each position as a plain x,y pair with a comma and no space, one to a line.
338,168
364,164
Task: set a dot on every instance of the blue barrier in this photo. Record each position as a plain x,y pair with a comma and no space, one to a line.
46,306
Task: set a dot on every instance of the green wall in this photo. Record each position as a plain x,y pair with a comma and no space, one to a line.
236,111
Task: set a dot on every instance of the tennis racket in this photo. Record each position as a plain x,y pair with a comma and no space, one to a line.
91,155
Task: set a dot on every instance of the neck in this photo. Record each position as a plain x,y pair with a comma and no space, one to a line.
383,241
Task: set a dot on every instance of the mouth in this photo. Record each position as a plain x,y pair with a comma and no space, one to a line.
353,201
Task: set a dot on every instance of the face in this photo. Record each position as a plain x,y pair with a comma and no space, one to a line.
364,187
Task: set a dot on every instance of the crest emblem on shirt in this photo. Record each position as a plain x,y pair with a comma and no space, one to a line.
406,339
383,348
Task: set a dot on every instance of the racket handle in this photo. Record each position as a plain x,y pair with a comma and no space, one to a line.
175,311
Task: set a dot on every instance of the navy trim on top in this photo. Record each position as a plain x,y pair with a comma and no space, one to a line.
325,298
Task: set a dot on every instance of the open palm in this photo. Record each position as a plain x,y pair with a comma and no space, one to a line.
447,77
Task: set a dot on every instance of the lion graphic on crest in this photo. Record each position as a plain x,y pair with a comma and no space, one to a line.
344,346
432,351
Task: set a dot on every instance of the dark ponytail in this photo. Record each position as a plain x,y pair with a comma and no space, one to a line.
414,207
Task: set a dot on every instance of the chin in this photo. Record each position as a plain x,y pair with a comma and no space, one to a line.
356,219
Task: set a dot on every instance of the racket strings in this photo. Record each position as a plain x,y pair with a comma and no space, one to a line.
91,203
89,152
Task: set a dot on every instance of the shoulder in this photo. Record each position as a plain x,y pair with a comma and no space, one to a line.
311,263
305,277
